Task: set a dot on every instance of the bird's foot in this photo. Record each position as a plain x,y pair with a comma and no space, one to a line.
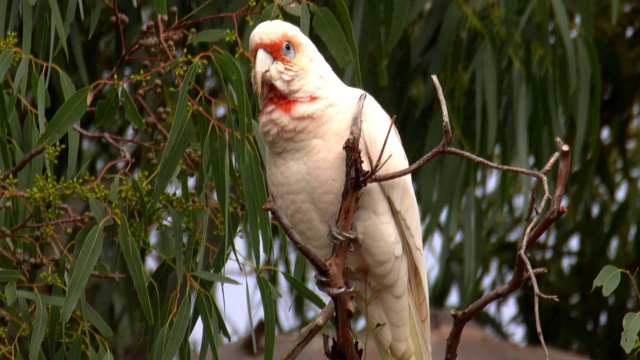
337,236
322,282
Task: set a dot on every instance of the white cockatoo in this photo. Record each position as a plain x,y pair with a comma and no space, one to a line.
305,117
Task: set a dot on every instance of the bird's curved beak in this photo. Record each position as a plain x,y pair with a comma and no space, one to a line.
261,68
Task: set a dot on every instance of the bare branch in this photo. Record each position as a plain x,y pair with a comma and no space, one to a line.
309,332
379,163
24,161
446,126
346,349
523,269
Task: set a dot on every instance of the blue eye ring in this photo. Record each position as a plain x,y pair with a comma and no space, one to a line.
288,50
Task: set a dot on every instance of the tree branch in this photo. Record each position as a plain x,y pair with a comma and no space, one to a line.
23,162
309,332
353,183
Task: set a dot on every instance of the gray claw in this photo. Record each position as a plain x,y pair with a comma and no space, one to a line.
321,278
348,285
321,283
333,291
336,235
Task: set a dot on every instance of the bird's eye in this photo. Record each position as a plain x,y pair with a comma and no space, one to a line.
288,50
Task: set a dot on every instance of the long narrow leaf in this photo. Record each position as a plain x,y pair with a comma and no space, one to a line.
179,138
73,141
562,20
398,22
87,259
5,154
209,276
209,321
66,84
209,36
130,109
269,309
343,15
178,331
92,316
303,290
583,97
331,33
177,239
132,258
56,17
47,299
67,115
490,77
9,276
39,327
107,109
6,57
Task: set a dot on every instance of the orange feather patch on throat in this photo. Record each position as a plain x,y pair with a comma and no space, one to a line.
276,101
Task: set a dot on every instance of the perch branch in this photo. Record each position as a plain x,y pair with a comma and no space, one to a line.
354,175
443,148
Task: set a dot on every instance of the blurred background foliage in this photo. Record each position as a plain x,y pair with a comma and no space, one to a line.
130,172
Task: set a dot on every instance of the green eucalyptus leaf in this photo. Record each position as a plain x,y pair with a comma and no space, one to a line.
608,278
67,115
87,258
630,329
179,139
39,328
209,36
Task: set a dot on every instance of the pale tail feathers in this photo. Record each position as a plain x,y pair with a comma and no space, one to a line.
418,292
419,339
418,286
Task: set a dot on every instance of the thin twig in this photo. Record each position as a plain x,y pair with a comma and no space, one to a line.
522,270
379,163
120,25
309,332
23,162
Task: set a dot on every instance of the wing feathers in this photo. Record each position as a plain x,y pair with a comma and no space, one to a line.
401,198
